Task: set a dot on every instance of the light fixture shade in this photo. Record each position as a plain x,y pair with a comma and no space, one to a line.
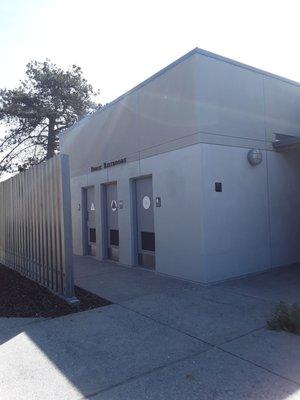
254,157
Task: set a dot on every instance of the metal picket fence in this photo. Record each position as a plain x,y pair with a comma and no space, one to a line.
36,226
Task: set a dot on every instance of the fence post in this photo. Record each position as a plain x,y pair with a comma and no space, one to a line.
67,242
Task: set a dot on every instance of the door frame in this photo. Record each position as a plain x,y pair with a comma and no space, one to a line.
84,220
104,225
134,212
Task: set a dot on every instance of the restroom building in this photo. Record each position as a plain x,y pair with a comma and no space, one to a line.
194,173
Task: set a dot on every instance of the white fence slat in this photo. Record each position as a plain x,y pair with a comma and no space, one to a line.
36,226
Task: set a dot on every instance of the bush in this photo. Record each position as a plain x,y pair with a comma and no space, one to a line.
286,318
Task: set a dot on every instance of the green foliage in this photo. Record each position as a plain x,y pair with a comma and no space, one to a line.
287,318
48,101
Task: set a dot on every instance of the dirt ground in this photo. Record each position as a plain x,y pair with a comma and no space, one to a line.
21,297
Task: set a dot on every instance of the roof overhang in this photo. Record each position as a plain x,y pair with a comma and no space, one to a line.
283,141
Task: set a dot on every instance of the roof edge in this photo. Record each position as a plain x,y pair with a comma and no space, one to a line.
196,50
140,85
245,66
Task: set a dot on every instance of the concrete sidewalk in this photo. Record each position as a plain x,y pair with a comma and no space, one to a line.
162,339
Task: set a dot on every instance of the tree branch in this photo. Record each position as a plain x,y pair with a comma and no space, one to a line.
11,151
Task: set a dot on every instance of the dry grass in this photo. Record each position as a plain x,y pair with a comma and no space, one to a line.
286,318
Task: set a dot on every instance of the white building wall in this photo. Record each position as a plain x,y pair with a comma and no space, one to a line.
190,127
177,221
230,99
176,179
159,112
282,108
235,227
123,175
284,184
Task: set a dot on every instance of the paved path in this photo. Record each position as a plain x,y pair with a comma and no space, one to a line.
161,339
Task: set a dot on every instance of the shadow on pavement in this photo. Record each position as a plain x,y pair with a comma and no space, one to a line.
121,352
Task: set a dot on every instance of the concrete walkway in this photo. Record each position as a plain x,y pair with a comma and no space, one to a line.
161,339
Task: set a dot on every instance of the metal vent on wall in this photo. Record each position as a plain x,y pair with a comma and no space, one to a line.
114,237
92,235
148,241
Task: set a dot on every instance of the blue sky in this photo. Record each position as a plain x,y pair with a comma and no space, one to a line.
120,43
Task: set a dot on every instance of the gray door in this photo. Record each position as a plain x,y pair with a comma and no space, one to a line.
90,221
112,228
145,223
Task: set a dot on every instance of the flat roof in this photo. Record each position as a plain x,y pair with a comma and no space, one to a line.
196,50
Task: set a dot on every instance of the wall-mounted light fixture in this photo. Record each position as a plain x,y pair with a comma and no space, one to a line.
254,157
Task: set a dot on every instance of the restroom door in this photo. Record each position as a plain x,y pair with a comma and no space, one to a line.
145,223
112,229
90,224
